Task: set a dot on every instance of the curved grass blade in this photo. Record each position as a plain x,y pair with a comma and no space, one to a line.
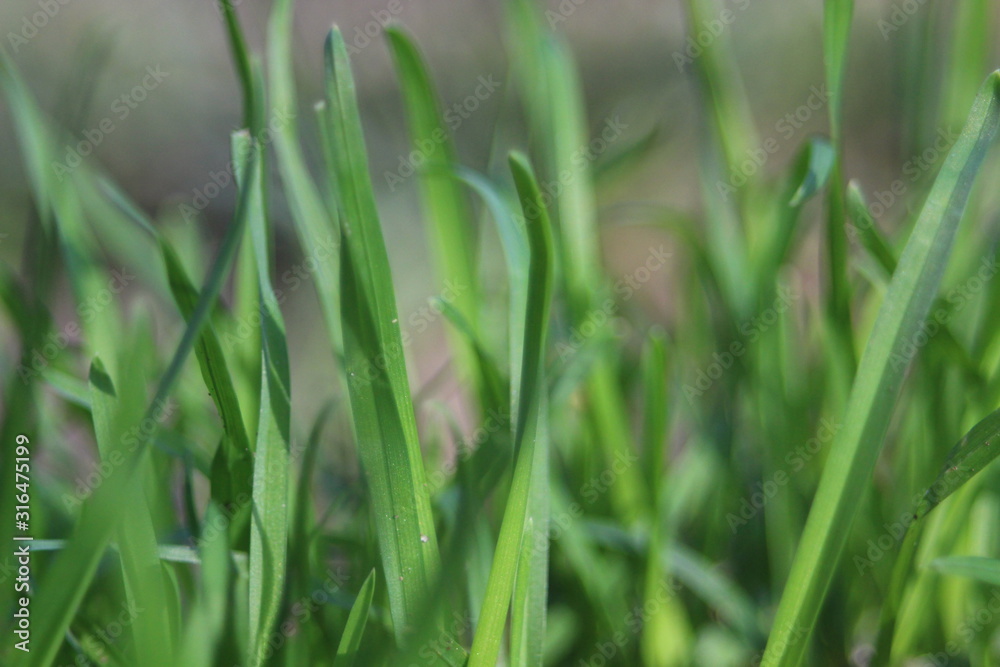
350,642
974,451
499,589
876,388
384,423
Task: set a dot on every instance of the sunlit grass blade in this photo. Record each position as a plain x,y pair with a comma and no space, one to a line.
489,635
384,423
350,642
876,388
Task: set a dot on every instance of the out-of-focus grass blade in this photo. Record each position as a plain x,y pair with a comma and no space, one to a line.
350,642
986,570
207,619
270,509
867,230
556,112
970,57
853,455
974,451
820,160
232,465
446,206
384,423
314,222
144,582
58,601
487,642
837,17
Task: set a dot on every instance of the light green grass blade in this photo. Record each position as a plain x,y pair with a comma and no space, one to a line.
446,206
876,388
350,642
986,570
270,510
314,222
384,423
489,636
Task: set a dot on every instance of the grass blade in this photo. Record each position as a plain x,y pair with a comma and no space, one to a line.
852,457
384,423
986,570
350,642
487,642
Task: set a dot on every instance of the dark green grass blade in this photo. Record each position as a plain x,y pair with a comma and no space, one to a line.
489,636
384,423
853,455
350,642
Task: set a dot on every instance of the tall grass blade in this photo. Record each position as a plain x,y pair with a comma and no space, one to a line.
500,587
876,388
384,423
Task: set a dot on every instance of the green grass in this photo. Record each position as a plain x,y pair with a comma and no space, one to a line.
793,466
